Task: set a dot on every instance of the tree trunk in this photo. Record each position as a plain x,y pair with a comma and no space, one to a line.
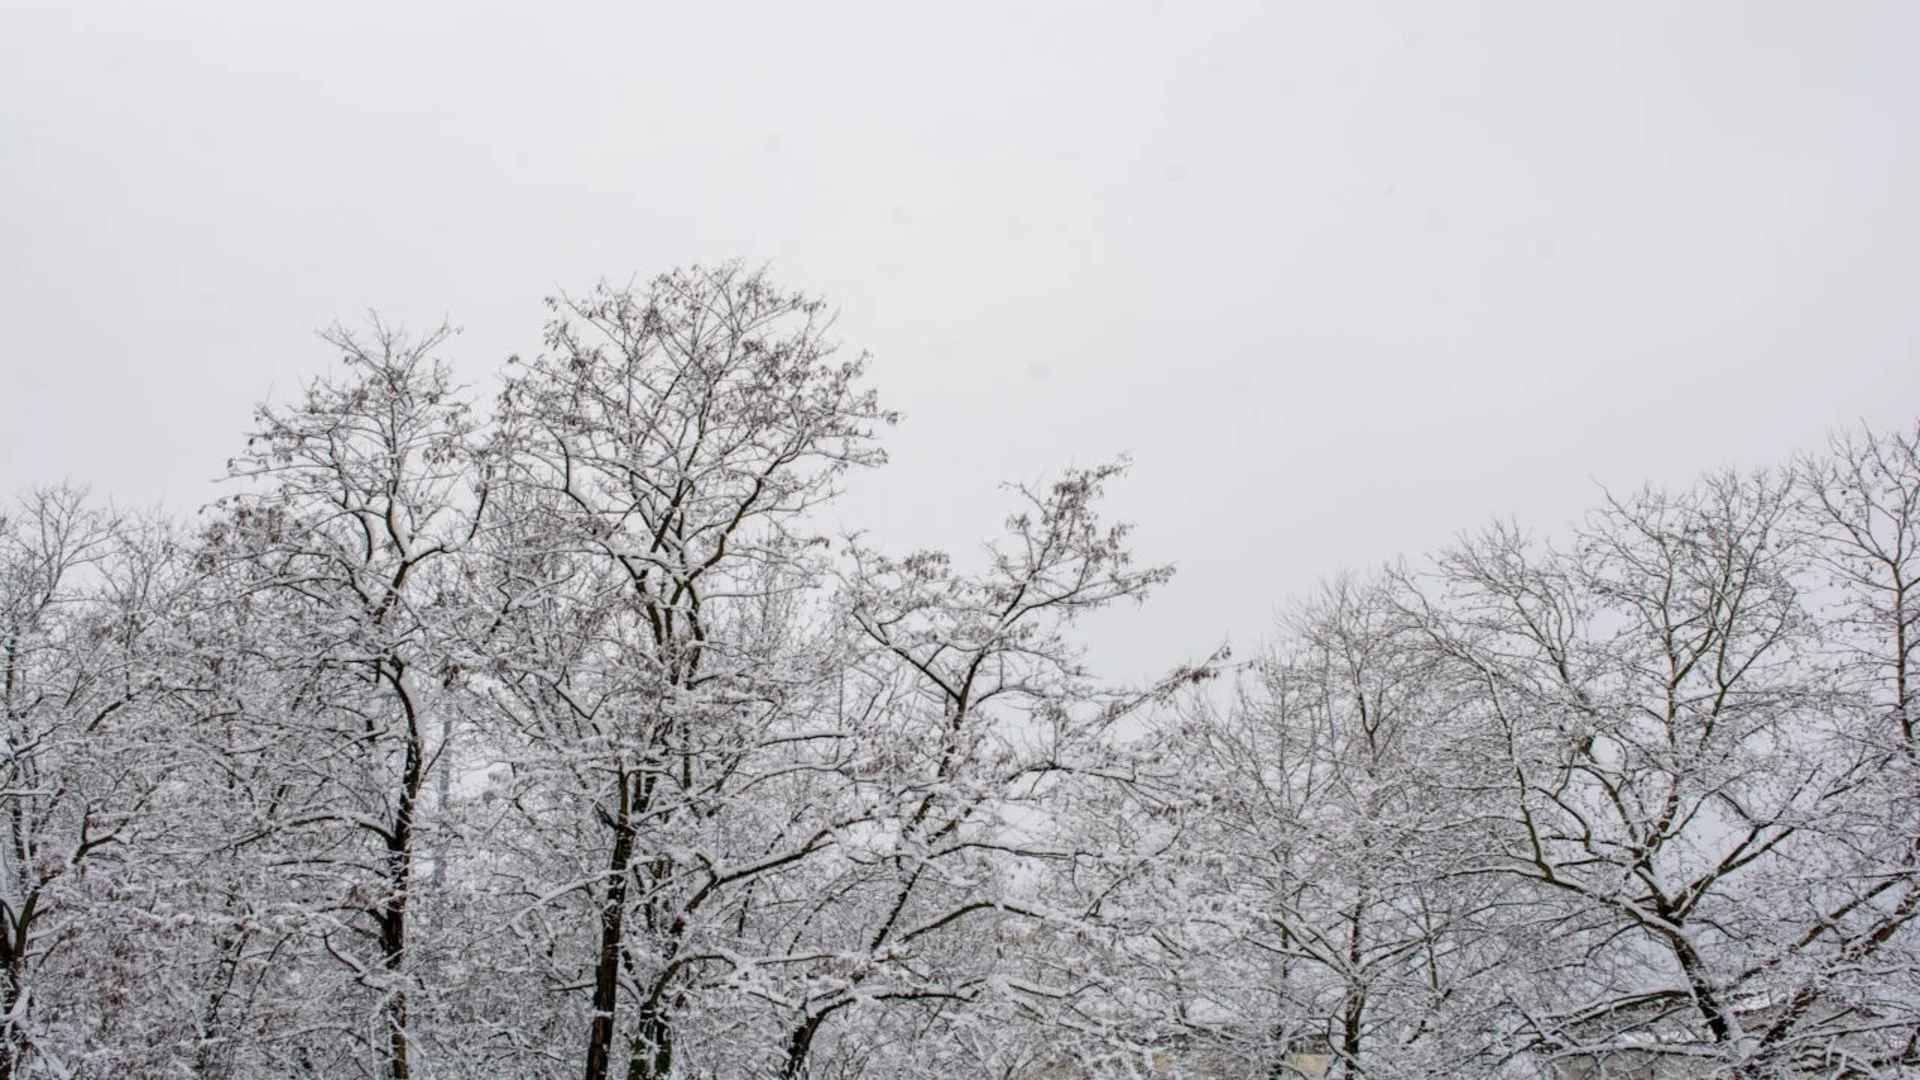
799,1044
393,910
606,980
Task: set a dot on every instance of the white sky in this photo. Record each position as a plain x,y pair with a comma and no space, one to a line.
1344,278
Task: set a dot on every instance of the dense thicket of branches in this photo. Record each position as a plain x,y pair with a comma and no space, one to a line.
550,738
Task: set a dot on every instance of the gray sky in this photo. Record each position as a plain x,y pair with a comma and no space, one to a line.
1344,278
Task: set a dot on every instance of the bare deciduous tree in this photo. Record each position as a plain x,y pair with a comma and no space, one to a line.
357,501
664,450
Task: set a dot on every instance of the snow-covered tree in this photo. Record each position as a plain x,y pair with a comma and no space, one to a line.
656,465
343,542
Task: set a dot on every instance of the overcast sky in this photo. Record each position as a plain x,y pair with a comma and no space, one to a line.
1345,279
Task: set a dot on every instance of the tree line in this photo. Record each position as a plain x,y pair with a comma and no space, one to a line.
552,737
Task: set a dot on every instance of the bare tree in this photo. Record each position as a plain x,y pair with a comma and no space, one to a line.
355,504
83,778
1847,983
1652,708
988,715
663,452
1307,912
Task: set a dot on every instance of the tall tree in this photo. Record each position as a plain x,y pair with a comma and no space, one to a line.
1342,799
987,718
1653,714
1844,989
664,451
85,778
355,504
